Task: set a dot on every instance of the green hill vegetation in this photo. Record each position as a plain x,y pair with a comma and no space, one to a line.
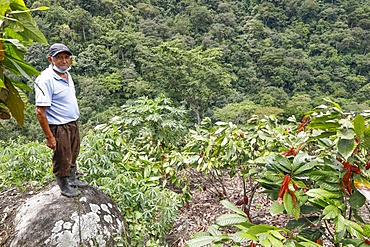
213,86
255,57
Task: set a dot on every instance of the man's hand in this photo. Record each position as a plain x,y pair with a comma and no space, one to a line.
51,142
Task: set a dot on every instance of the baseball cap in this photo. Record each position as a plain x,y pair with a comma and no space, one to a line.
58,48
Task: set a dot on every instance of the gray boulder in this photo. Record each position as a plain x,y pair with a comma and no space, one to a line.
50,219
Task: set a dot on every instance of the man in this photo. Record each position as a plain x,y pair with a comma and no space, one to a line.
57,112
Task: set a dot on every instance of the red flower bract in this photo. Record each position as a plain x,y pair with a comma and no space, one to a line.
285,189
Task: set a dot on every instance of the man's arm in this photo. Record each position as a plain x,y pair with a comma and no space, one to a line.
41,116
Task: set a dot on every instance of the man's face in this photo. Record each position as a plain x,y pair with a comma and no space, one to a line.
61,60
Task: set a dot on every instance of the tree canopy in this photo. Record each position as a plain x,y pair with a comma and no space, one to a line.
207,55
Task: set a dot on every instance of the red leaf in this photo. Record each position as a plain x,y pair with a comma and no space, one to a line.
284,187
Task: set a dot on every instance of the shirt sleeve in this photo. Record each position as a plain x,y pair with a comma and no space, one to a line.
43,92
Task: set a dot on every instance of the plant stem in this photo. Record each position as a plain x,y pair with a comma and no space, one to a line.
253,191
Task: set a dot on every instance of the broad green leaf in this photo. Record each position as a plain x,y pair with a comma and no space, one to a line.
201,241
213,230
329,127
2,84
346,147
359,126
347,134
305,167
274,241
302,223
288,203
22,86
266,243
323,135
30,29
336,105
220,130
330,212
290,243
4,6
353,228
232,207
307,209
312,234
19,68
323,194
300,158
17,50
224,141
357,200
354,243
340,225
284,161
247,236
296,212
322,175
276,208
15,103
22,95
230,219
258,229
366,230
366,140
243,226
329,186
277,235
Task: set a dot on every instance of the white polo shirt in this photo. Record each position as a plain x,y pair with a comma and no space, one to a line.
58,95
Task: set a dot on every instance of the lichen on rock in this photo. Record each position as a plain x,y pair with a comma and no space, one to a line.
50,219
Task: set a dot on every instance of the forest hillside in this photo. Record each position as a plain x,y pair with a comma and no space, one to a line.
183,95
226,60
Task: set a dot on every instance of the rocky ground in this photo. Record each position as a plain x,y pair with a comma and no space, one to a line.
10,199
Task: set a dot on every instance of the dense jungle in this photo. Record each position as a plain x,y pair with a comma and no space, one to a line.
226,60
258,107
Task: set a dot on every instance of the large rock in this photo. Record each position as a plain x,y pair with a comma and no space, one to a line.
50,219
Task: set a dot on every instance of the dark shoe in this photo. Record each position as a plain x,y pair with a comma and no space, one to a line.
65,188
73,181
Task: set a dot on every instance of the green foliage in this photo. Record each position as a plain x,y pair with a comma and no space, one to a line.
316,171
22,164
132,178
127,160
320,164
215,54
238,113
246,232
153,120
30,131
18,30
195,76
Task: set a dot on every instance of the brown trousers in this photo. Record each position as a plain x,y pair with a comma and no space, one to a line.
68,148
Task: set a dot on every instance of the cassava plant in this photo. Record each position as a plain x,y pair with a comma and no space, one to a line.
316,171
128,159
24,163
